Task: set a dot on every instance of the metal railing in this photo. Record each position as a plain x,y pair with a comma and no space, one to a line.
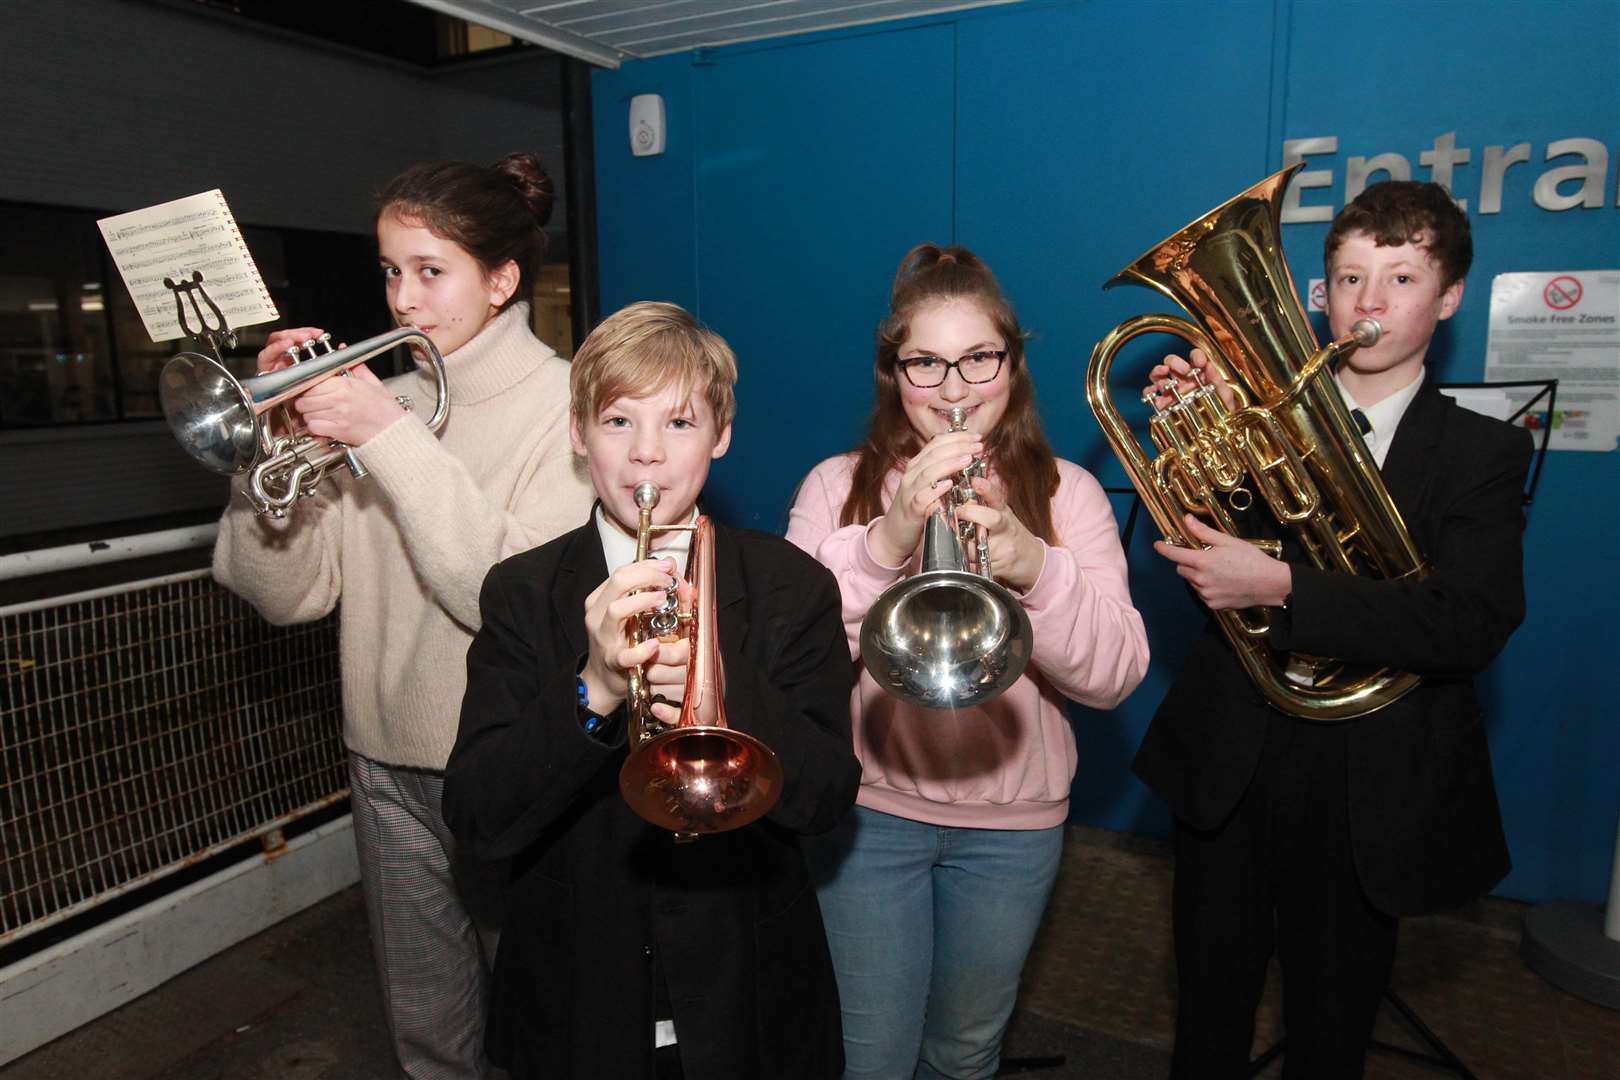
147,727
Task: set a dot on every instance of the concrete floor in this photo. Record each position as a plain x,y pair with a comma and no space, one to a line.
300,1001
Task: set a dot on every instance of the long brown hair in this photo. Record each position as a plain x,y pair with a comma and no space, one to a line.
1017,448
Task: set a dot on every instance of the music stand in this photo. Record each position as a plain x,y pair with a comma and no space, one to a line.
217,335
1549,390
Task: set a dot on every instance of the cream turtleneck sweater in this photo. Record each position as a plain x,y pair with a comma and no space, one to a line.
407,548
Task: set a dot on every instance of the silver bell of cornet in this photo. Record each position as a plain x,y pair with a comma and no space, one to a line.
224,422
945,637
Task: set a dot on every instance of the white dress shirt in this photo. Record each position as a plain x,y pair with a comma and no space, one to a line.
1385,416
619,547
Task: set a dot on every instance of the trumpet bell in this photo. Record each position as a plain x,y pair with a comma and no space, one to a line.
210,413
946,639
701,779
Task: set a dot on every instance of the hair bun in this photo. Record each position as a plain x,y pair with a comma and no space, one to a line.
924,258
532,182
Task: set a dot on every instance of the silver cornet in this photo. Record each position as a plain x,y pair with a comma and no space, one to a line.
223,421
948,637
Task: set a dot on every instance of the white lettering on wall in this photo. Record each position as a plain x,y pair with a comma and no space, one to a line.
1440,161
1562,187
1295,151
1497,161
1590,175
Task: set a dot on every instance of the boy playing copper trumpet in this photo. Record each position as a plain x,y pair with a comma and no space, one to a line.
626,953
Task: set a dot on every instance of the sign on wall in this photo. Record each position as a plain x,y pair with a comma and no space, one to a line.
1562,325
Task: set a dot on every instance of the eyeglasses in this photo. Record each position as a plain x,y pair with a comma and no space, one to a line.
926,372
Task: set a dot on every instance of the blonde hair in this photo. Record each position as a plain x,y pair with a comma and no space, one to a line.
644,348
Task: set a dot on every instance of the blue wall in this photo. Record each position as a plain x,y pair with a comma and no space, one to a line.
1061,140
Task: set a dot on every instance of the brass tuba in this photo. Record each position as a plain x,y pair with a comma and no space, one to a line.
223,421
698,776
949,636
1288,437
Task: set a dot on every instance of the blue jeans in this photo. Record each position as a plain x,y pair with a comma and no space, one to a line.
929,927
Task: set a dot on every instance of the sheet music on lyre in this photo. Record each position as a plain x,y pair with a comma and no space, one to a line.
176,239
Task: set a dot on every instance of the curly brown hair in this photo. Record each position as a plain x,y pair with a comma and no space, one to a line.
1398,212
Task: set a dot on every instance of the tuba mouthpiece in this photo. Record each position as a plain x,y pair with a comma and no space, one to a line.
1366,332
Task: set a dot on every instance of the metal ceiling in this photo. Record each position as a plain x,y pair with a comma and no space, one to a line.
606,32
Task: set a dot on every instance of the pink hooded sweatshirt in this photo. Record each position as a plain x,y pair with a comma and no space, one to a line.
1006,764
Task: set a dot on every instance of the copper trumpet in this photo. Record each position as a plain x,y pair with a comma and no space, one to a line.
699,775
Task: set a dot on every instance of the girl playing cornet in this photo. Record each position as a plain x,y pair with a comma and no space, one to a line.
932,890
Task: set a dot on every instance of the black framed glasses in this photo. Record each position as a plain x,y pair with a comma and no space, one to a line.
926,372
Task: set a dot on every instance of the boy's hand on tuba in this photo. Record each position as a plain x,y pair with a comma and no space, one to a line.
1181,371
1228,572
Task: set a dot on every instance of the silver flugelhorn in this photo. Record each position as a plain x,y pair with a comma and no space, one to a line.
224,422
948,637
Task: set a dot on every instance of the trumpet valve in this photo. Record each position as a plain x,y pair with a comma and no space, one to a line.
316,347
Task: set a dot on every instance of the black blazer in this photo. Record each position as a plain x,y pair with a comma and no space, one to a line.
1425,825
597,897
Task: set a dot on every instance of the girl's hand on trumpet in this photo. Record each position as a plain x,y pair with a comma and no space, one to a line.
350,408
631,590
927,476
274,355
1181,370
1016,554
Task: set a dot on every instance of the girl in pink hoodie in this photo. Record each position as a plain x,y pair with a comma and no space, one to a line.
933,888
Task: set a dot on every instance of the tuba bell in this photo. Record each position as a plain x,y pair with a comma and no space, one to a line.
224,422
948,637
1288,437
699,775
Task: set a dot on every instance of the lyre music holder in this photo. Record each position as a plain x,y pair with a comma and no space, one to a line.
218,336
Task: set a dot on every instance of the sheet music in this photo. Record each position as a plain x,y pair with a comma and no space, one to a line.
175,239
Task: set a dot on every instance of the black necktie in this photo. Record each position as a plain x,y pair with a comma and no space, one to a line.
1363,425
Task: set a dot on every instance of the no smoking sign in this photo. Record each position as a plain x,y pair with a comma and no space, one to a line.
1316,295
1562,292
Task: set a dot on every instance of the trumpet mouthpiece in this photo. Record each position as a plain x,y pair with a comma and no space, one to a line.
1366,332
958,419
646,495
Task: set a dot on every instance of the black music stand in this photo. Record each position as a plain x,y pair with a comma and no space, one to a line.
216,334
1549,390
